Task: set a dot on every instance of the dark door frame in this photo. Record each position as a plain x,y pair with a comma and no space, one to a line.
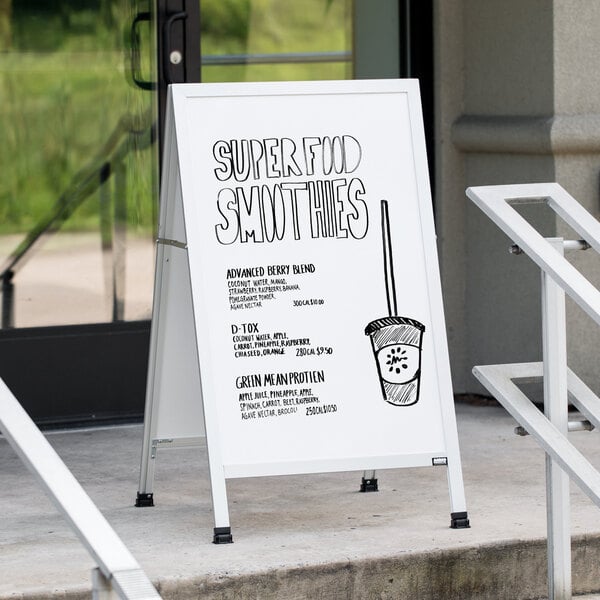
416,61
178,50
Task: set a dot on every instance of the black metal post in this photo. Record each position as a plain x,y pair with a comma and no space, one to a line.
8,296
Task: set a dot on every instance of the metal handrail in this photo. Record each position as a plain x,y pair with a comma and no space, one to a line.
83,184
117,571
563,460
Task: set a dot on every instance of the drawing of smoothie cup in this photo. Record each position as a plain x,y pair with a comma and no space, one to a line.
396,343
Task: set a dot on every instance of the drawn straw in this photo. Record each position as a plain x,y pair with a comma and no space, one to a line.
388,264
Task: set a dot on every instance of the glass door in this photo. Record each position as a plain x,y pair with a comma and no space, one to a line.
77,204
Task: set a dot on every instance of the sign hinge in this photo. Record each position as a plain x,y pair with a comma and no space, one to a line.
168,242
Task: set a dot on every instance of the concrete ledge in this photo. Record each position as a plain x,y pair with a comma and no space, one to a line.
515,570
558,134
511,570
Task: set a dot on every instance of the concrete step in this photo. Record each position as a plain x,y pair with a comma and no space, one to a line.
303,537
514,571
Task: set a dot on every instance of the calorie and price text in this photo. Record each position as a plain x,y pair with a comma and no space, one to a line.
248,341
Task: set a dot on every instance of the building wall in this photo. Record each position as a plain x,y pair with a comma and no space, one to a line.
517,101
450,177
576,138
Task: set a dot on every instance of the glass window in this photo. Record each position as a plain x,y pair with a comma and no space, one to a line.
271,40
77,192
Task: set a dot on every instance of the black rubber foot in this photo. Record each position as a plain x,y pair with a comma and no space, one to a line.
459,520
222,535
369,485
144,499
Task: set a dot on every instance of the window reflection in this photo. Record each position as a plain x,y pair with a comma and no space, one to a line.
78,186
276,40
78,167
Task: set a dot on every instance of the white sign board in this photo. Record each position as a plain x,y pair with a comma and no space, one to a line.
312,310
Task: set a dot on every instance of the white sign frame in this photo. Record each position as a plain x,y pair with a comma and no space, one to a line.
181,401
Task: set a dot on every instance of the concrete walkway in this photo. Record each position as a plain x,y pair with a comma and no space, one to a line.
302,537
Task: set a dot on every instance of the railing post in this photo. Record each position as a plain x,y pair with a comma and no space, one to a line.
556,410
106,235
119,249
8,300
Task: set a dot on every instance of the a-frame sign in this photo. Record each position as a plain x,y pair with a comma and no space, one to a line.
297,318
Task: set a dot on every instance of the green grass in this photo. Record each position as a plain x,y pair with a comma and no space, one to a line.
280,26
57,111
64,88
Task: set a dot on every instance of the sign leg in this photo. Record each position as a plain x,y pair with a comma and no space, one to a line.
459,518
145,495
369,482
222,529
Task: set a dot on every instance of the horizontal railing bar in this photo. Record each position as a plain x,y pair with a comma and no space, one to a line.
83,184
211,60
576,245
575,425
567,245
498,379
